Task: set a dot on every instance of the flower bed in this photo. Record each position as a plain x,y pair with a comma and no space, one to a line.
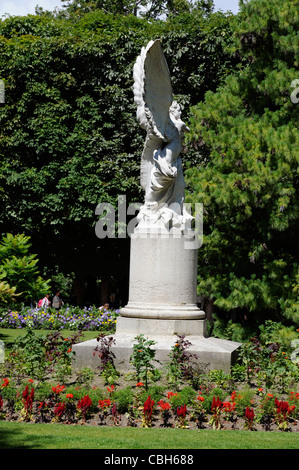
92,319
260,392
46,403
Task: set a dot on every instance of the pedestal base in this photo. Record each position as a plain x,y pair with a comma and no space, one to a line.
162,304
212,353
160,327
164,312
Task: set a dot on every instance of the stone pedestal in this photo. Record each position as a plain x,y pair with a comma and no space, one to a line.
212,353
163,277
162,304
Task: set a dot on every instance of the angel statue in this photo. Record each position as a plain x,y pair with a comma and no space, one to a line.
161,174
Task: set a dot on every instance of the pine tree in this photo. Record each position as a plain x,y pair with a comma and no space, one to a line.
247,180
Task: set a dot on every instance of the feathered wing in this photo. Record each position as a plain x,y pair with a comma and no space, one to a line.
153,96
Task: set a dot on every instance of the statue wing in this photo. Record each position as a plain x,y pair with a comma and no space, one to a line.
153,96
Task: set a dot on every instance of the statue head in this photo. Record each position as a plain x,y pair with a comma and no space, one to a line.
175,116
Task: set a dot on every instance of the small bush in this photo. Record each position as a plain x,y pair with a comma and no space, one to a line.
184,397
243,400
208,398
124,399
155,391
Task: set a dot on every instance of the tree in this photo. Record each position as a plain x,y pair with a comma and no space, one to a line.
7,294
19,272
67,149
81,7
247,136
69,138
144,8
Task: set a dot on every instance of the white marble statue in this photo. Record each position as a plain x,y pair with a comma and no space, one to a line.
161,174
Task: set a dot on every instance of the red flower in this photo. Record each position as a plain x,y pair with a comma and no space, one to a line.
171,394
104,403
84,402
59,409
283,407
249,413
59,388
216,404
228,406
5,383
148,406
164,405
25,393
28,398
84,405
42,405
182,411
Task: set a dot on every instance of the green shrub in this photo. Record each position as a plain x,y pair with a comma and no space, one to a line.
156,392
238,372
9,392
219,378
276,332
184,397
242,400
43,391
142,358
28,355
124,399
208,398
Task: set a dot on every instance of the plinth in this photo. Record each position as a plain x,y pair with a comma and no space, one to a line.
162,304
163,277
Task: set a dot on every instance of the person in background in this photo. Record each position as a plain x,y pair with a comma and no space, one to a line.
105,307
57,302
45,303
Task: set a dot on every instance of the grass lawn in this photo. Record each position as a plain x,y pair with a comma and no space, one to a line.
58,436
9,335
